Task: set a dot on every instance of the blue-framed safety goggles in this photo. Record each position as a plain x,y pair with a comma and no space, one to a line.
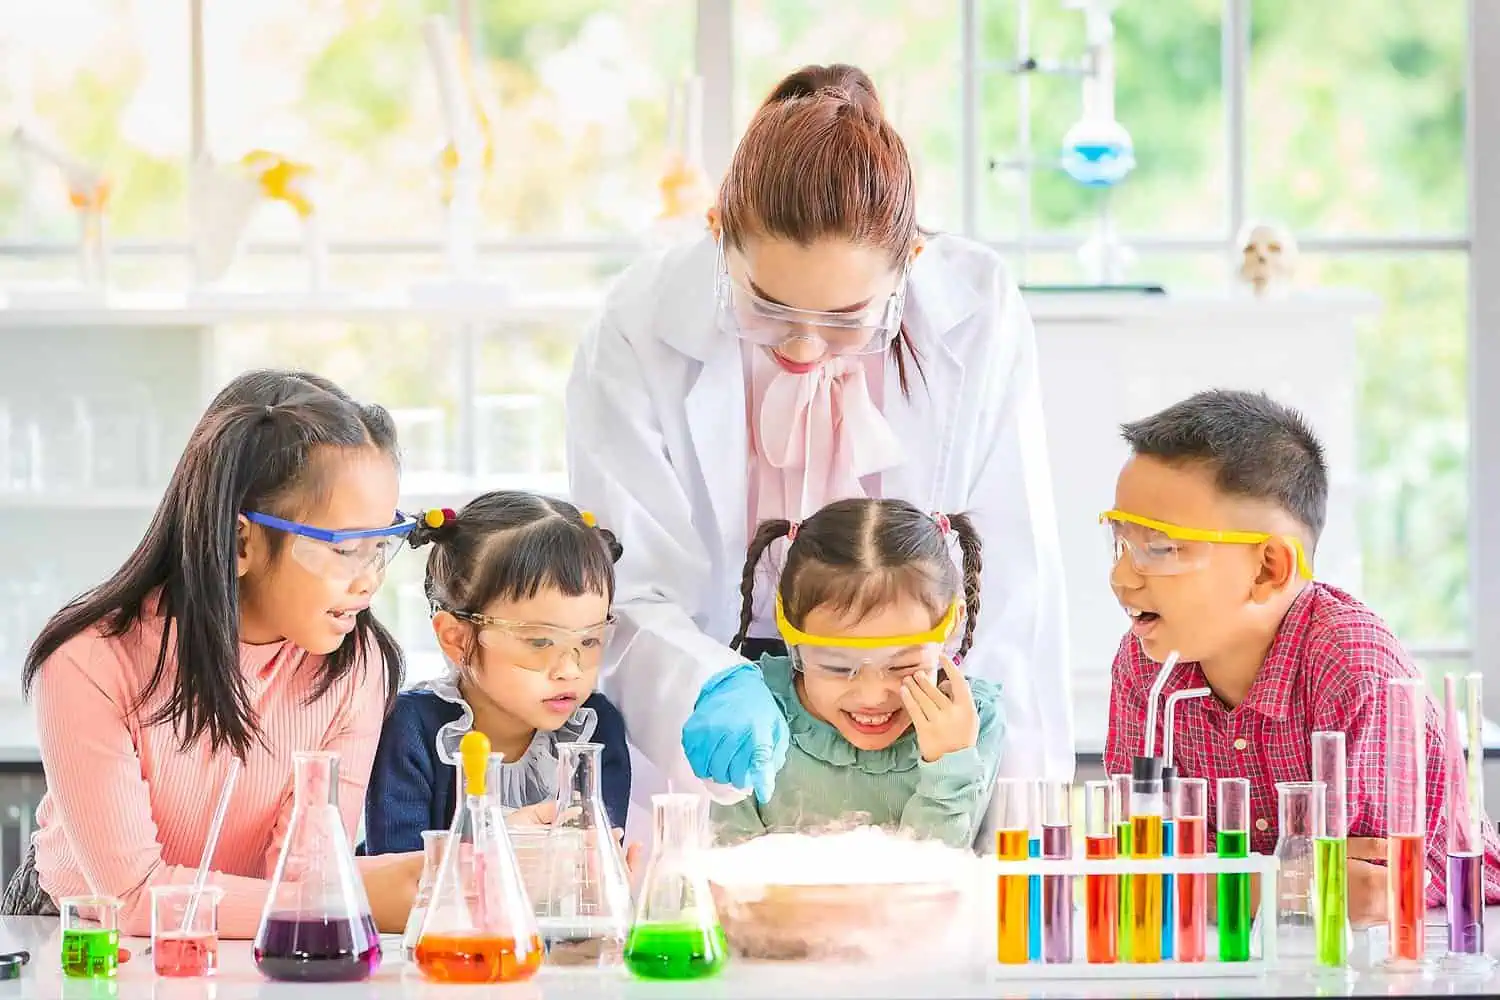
341,554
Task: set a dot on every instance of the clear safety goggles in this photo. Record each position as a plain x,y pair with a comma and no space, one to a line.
746,315
843,658
537,647
341,555
1157,548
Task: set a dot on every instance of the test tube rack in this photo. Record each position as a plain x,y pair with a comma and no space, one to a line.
1264,920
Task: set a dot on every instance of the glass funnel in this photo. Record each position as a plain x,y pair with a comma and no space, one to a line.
676,933
588,905
479,926
316,925
1299,806
433,842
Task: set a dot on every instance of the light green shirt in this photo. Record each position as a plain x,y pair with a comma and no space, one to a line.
828,781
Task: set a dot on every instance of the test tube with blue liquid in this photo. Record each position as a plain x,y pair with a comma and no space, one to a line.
1034,884
1168,850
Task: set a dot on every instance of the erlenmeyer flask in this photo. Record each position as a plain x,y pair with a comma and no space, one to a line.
587,907
316,926
479,927
676,934
1299,806
433,842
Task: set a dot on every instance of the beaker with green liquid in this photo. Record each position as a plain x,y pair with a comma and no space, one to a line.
90,936
676,934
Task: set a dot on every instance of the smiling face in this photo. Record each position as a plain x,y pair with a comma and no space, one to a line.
866,710
1222,611
280,598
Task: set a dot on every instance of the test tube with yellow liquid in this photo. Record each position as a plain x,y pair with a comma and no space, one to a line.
1145,908
1123,837
1012,805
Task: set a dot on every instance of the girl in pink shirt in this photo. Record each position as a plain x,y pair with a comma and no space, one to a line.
239,627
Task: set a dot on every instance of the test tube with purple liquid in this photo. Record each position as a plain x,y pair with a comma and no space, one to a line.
1057,890
1463,784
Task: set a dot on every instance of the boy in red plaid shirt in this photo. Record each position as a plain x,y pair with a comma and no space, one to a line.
1217,516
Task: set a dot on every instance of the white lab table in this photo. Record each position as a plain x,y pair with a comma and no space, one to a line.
238,980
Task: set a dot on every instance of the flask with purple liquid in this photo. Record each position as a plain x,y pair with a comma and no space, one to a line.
317,925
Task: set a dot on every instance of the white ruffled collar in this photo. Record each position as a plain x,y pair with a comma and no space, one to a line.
533,777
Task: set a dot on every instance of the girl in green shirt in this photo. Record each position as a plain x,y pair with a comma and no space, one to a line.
884,728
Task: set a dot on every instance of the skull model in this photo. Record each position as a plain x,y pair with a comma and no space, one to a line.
1268,257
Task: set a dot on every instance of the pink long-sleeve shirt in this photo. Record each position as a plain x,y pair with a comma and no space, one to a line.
127,809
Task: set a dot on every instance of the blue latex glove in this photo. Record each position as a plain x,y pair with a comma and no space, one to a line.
736,734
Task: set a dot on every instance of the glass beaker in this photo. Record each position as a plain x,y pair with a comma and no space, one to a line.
479,927
433,842
316,926
1299,812
185,934
588,908
90,936
676,933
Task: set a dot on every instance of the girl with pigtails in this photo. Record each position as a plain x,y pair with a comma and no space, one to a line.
876,618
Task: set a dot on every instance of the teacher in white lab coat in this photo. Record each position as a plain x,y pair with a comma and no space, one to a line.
814,345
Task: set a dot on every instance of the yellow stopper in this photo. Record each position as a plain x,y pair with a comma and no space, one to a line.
434,518
474,748
588,518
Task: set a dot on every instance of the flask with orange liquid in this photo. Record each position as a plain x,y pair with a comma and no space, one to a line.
480,926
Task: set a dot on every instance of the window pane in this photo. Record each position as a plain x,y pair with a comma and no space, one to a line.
578,97
1168,96
1356,114
103,81
1414,430
910,52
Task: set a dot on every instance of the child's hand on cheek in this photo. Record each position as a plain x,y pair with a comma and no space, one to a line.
942,714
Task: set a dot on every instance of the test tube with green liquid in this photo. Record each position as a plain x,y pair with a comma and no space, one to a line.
90,936
1234,887
1124,840
1330,853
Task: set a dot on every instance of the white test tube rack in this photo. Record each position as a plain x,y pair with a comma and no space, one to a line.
1262,935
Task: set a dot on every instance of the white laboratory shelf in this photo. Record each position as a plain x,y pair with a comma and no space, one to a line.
192,310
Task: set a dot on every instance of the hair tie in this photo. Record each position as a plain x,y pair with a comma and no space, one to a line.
270,412
438,516
791,531
942,522
588,519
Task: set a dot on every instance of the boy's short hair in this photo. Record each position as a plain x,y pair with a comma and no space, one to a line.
1255,446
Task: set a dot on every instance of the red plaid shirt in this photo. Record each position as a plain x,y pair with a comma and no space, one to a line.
1326,670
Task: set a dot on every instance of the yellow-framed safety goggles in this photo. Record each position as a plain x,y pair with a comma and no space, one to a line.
1159,548
844,657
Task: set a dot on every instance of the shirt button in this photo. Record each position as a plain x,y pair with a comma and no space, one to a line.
1240,743
1261,824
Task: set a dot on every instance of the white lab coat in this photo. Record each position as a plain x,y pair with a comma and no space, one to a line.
657,448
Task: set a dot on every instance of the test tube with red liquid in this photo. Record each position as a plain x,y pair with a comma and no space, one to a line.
1012,807
1101,892
1057,890
1190,816
1463,782
1406,818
